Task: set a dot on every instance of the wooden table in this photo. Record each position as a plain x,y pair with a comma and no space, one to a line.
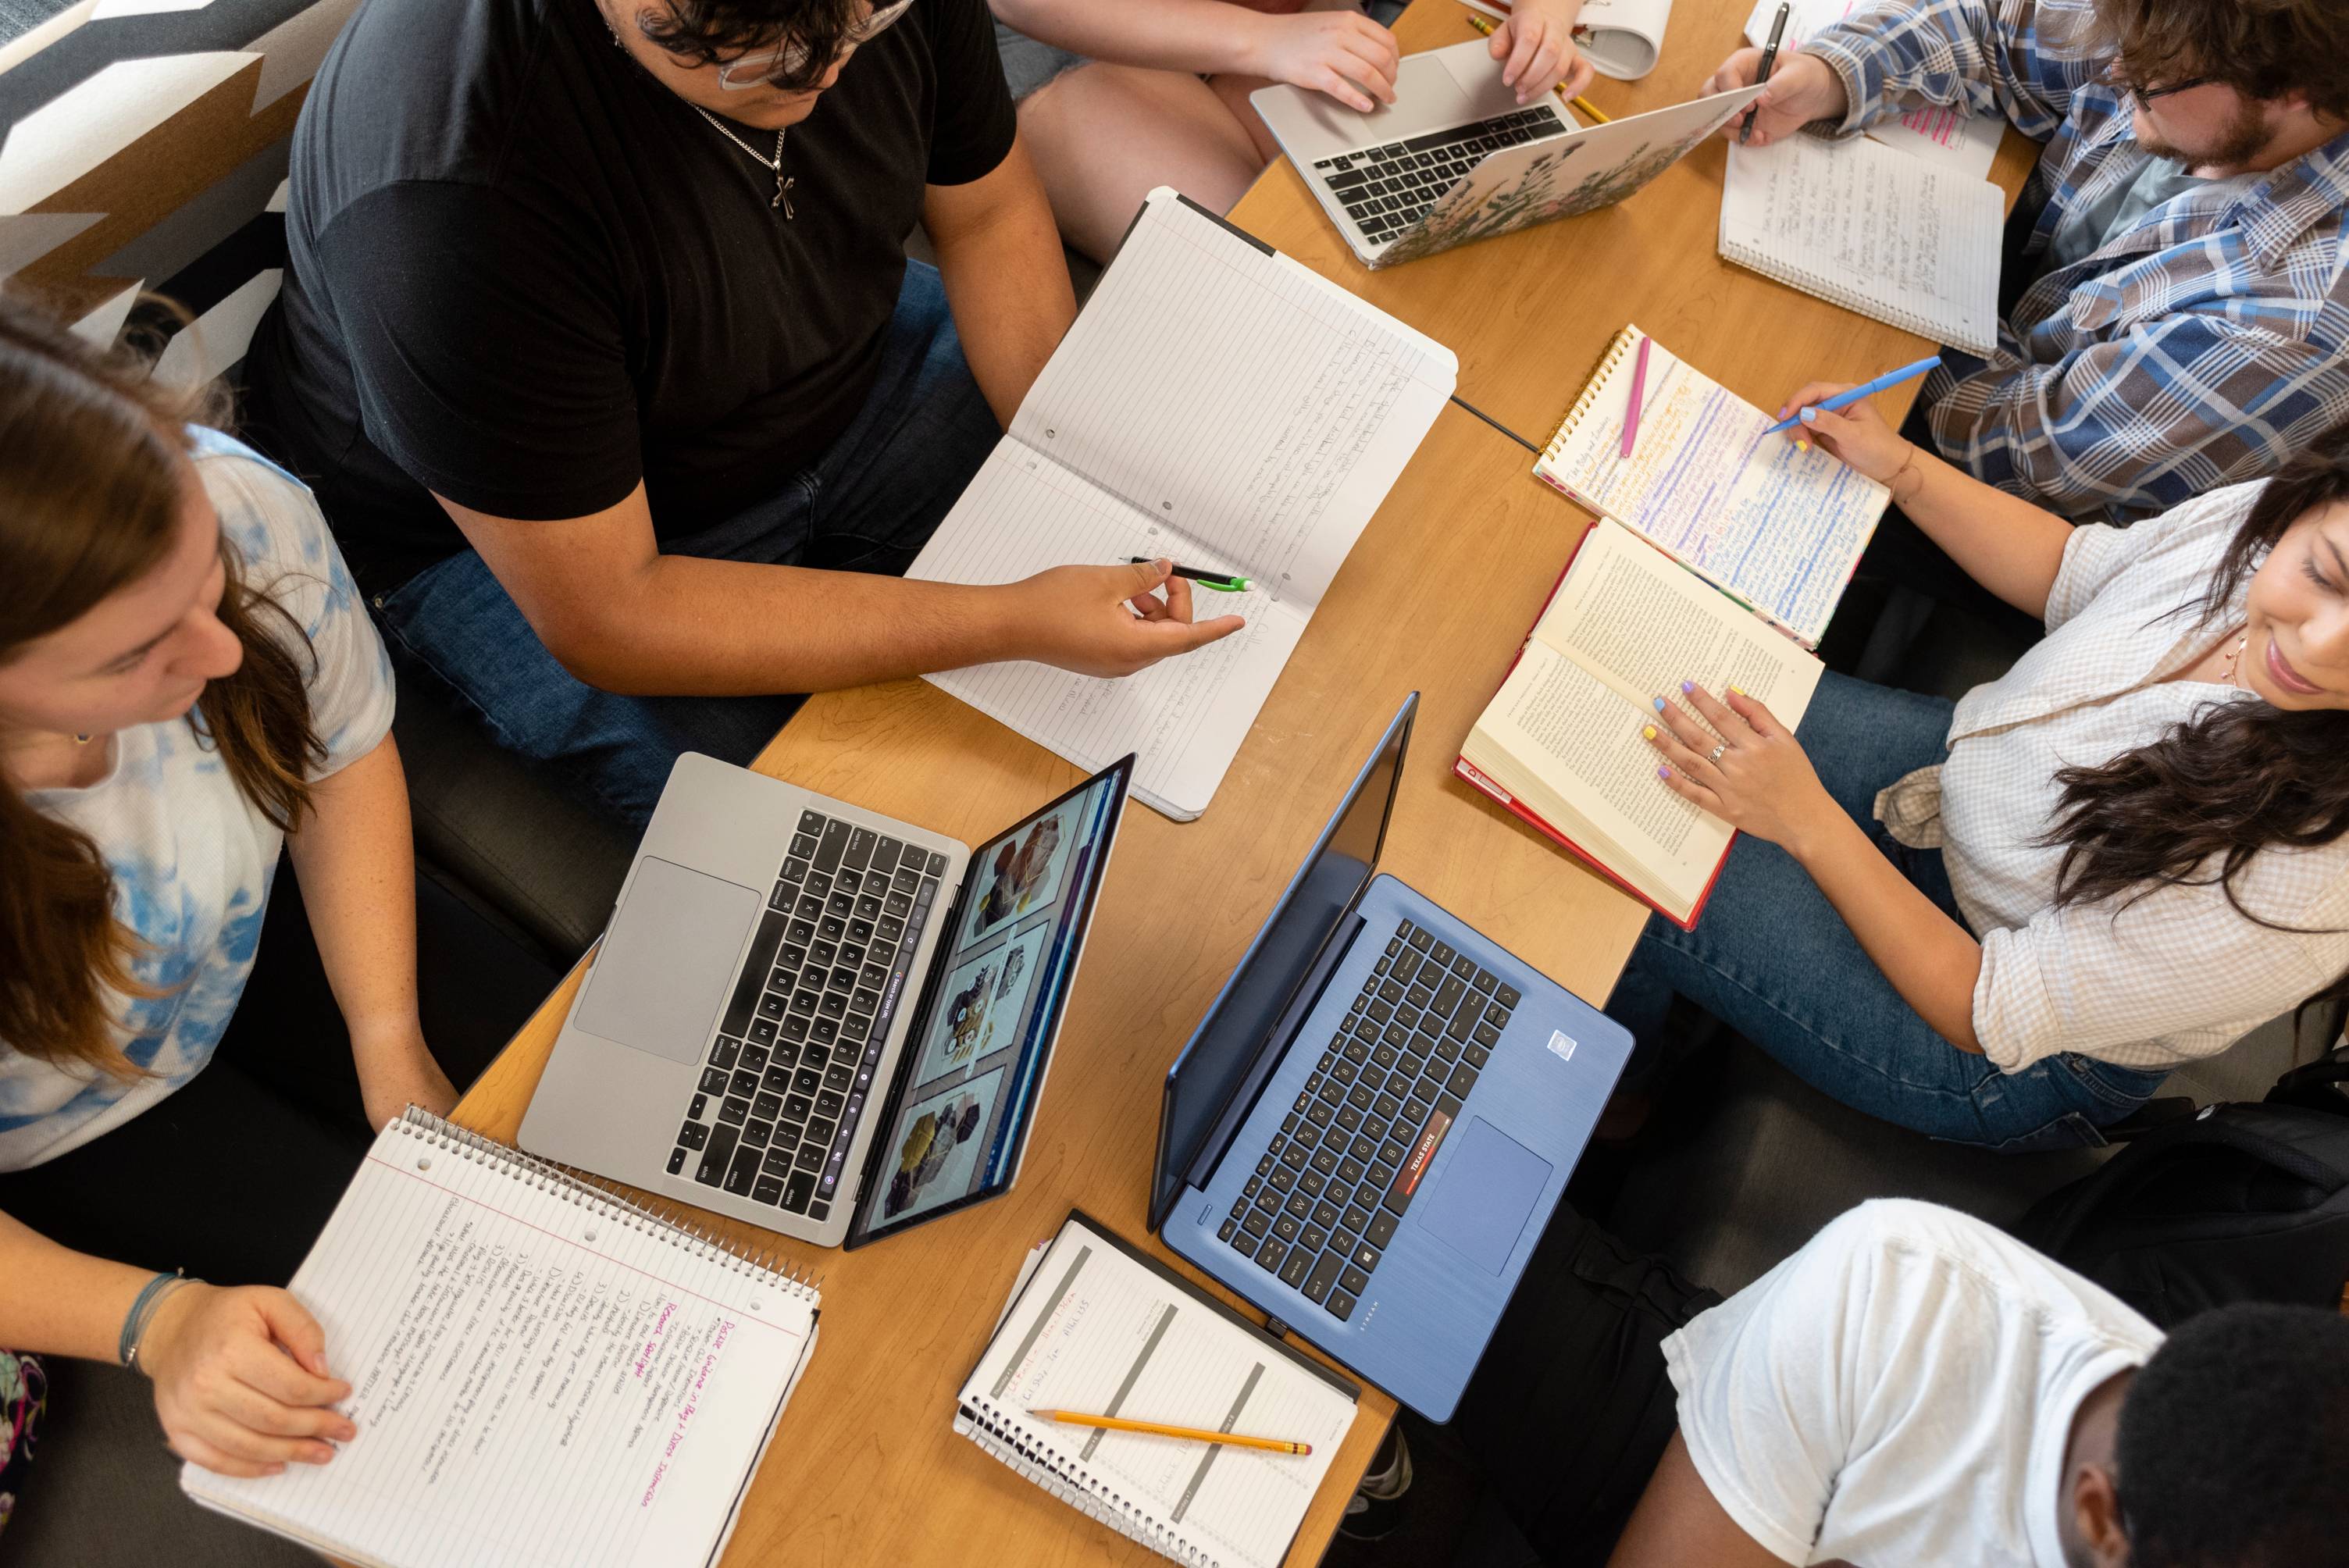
1434,597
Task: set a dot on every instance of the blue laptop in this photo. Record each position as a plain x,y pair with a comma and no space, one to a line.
1368,1132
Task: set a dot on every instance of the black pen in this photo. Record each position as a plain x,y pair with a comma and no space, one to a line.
1221,582
1769,58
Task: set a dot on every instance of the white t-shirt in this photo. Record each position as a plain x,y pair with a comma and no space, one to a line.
191,857
1900,1392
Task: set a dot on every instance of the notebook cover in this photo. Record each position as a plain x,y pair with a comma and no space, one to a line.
1469,771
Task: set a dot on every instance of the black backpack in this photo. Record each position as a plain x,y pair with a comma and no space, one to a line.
2236,1203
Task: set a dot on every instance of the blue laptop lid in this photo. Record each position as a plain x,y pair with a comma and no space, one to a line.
1222,1058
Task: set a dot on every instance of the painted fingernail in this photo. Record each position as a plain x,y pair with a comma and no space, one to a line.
1810,416
1664,773
1802,446
1688,686
1648,733
1660,705
1738,689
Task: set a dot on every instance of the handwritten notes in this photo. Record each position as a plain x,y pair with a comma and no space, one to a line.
1950,137
533,1381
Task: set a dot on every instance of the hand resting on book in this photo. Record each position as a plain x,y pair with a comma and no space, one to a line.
1762,783
240,1382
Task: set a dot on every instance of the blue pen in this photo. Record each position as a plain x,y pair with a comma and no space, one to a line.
1866,389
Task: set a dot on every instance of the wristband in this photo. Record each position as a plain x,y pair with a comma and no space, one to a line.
152,1294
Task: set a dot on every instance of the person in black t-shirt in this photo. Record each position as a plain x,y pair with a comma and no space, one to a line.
598,333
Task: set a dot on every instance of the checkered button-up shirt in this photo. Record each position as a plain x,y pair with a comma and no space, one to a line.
2176,974
2198,348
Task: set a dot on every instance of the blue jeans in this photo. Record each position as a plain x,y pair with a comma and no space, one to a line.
869,504
1772,959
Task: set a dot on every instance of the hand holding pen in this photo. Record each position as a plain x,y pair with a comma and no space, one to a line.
1769,58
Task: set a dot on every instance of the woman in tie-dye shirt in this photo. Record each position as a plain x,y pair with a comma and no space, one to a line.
188,683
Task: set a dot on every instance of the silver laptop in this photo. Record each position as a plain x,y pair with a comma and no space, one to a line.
818,1019
1455,157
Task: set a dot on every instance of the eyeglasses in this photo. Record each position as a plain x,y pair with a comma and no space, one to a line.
747,72
2146,95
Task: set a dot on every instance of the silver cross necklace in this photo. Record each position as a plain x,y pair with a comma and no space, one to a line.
773,165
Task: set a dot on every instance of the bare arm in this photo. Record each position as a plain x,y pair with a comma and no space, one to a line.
1007,280
1678,1522
1200,37
2003,542
356,862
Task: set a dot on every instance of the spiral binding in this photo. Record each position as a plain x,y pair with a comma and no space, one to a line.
1622,344
1047,1470
607,1203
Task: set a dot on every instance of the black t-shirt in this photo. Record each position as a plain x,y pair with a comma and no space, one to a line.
526,274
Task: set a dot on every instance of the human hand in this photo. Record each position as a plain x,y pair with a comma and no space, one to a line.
1857,436
230,1396
1802,88
1761,782
1108,620
398,1074
1538,42
1342,53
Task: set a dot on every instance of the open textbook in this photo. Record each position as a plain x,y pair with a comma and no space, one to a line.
1561,744
1872,230
541,1373
1096,1326
1947,137
1779,528
1217,403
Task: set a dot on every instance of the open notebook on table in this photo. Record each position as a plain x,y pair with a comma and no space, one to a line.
1561,744
544,1375
1217,403
1778,528
1096,1326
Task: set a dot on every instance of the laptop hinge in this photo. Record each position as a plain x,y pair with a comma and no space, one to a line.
1269,1054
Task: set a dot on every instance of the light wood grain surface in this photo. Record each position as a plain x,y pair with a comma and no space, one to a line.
1435,597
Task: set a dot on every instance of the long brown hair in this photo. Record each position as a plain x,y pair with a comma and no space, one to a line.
2197,806
93,462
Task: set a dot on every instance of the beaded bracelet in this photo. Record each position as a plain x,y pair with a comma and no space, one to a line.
142,1309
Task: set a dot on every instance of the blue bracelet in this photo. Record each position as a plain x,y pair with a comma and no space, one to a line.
133,1321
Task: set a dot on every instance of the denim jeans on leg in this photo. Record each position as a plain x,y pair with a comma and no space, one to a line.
1771,958
869,504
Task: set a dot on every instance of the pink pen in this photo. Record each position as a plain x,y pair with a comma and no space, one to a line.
1638,395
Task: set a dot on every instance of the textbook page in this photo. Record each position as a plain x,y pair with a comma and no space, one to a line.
1867,228
1096,1332
1952,139
535,1384
1779,528
1627,627
1217,403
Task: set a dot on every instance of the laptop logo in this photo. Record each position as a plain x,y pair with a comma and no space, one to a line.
1561,1046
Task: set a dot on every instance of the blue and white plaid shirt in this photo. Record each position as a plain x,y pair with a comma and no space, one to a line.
2198,349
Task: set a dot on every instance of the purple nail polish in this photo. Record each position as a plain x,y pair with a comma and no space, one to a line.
1688,686
1664,773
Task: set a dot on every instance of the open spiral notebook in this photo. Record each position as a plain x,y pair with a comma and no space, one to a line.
1097,1327
542,1373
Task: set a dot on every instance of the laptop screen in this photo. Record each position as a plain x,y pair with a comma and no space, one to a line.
1217,1068
962,1109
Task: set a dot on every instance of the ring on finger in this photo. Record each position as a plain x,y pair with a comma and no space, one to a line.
1713,756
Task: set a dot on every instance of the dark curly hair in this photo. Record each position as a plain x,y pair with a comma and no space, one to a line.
712,32
2195,807
2234,1447
2262,48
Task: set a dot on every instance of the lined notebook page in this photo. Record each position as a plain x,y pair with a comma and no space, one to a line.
1778,528
535,1382
1872,230
1216,404
1097,1332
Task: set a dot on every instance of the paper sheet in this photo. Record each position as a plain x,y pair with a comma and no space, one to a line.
1218,405
533,1384
1948,138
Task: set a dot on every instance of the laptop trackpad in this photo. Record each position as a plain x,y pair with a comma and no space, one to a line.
667,961
1491,1185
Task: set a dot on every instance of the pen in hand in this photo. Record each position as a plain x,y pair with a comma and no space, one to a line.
1221,582
1769,58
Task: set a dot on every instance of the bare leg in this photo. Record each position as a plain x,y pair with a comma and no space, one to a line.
1101,135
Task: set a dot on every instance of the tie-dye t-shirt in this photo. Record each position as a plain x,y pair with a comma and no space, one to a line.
191,857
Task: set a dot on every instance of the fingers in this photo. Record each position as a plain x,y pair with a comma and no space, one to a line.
1737,71
1170,636
248,1408
292,1325
1144,576
1178,599
1369,67
1689,789
1527,36
1581,73
1327,80
1730,725
196,1450
1763,722
264,1368
1683,757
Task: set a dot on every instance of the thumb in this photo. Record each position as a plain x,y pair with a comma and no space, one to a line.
1498,44
1146,575
293,1326
1188,636
1827,423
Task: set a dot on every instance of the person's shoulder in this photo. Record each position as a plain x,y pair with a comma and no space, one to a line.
282,539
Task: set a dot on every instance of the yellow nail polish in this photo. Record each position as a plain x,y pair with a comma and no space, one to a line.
1648,733
1741,691
1802,446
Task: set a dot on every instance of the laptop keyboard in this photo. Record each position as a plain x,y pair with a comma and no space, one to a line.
791,1072
1385,189
1328,1193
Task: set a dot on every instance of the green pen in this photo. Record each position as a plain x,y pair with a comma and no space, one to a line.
1215,580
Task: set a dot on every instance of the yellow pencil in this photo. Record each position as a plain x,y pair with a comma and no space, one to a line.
1484,24
1118,1424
